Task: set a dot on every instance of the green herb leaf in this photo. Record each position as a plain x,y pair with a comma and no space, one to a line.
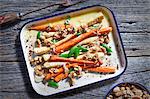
54,40
38,35
74,51
107,48
68,17
64,55
71,52
95,26
70,70
78,33
83,49
53,84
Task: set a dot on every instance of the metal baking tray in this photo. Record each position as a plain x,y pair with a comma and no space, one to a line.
118,55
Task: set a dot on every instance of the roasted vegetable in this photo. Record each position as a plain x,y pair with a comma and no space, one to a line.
72,42
102,69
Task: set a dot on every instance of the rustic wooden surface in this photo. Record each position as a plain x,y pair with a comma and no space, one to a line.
133,18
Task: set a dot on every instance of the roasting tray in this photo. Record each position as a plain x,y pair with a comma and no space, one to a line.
118,56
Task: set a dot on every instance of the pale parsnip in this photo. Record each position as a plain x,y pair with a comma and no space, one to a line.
41,50
88,40
53,64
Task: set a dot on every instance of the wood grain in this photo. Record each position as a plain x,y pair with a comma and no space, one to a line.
133,18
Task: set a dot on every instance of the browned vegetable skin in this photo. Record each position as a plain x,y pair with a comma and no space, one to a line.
42,28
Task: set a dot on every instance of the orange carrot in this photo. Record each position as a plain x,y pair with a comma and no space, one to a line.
59,71
47,28
61,77
65,46
102,69
50,75
42,28
55,58
96,69
65,39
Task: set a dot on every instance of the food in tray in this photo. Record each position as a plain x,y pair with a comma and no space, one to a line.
128,91
64,51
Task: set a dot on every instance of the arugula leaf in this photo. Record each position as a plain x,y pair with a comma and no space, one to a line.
54,40
64,55
83,49
71,52
53,84
74,51
38,35
78,33
70,70
107,48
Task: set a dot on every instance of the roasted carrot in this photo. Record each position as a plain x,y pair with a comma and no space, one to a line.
42,28
60,77
55,58
71,36
65,46
50,75
47,28
102,69
59,71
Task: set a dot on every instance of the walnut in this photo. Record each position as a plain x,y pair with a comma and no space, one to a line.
38,70
116,89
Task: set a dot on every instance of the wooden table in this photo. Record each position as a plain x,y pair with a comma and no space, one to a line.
133,18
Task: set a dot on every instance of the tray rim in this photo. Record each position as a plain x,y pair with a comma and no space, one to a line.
71,11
